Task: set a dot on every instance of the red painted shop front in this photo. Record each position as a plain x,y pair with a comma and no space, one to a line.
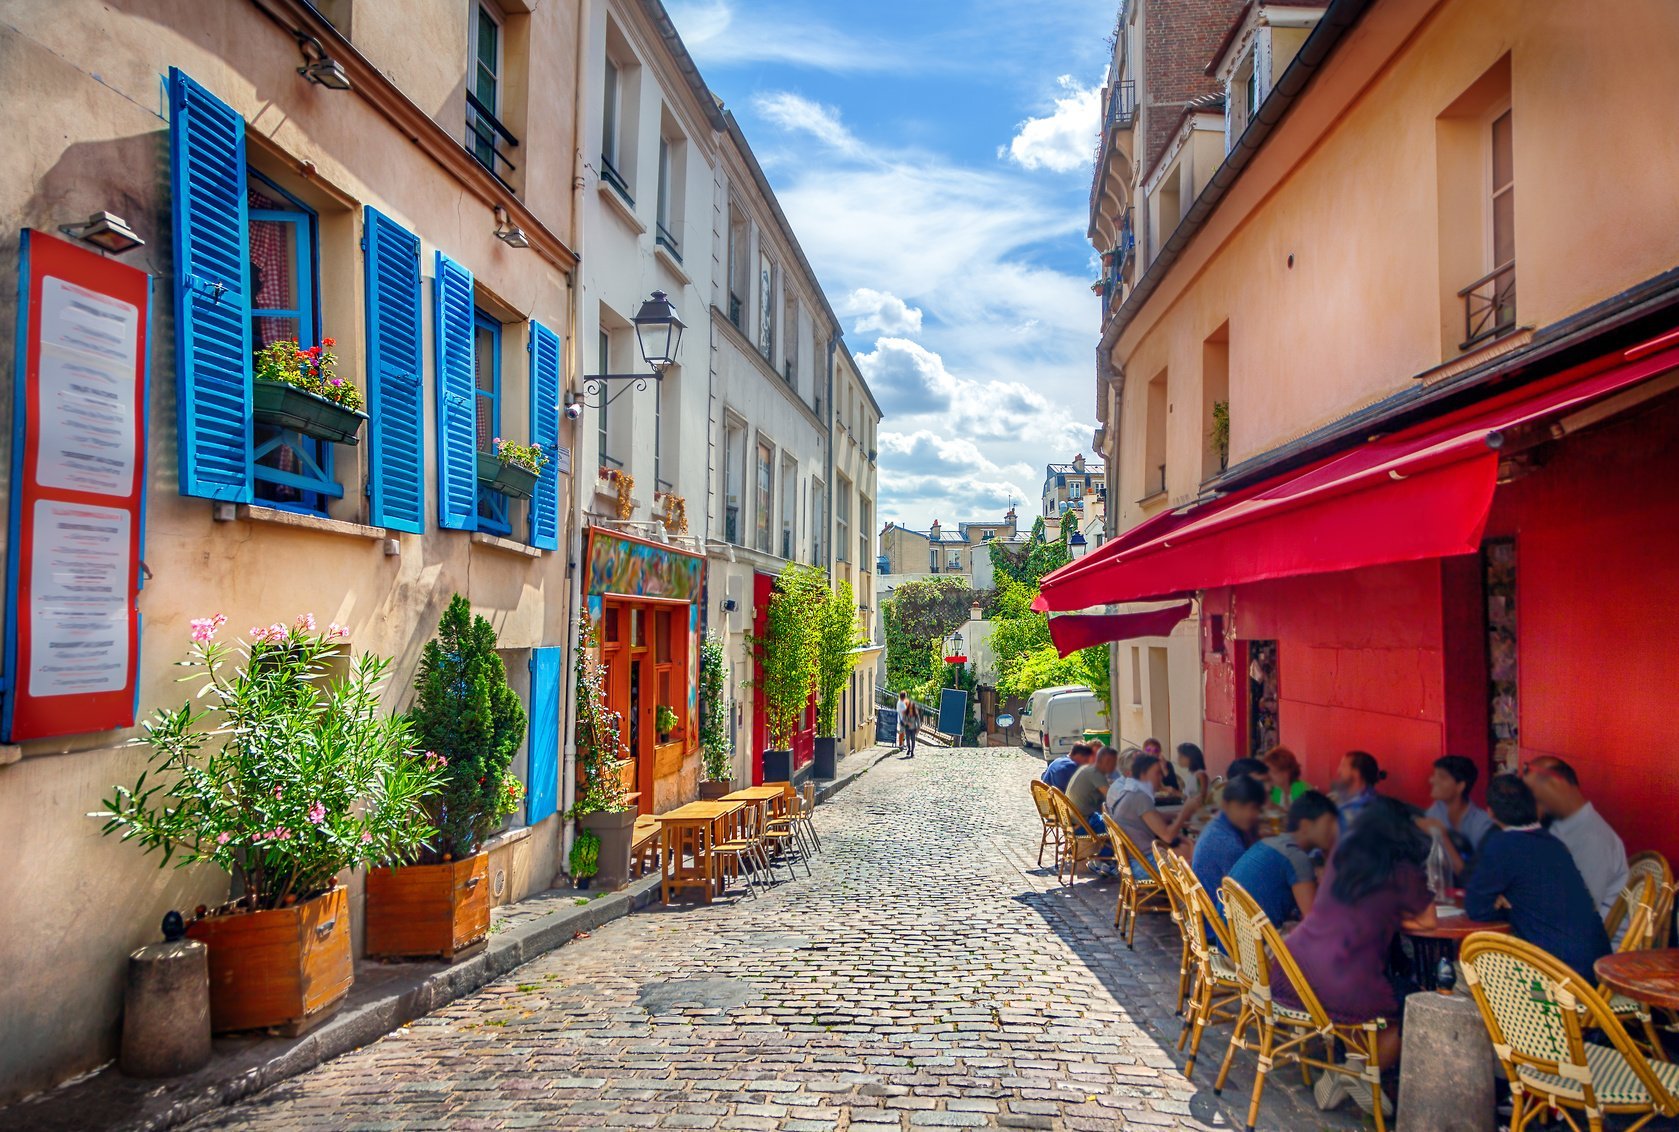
804,743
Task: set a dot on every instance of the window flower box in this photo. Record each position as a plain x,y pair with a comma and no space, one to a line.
297,410
510,479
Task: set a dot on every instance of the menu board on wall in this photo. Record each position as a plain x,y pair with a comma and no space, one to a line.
78,489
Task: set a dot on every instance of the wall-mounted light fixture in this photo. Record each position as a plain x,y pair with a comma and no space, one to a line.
508,232
319,67
107,231
658,333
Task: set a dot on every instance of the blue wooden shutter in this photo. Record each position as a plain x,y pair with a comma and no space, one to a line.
395,402
545,430
457,400
212,293
543,766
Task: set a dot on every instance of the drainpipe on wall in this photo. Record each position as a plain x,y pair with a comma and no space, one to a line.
828,440
574,551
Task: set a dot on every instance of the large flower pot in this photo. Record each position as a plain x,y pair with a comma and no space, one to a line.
778,765
510,479
616,833
429,910
826,764
287,969
712,791
298,410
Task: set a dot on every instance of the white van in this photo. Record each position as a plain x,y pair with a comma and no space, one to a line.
1066,718
1031,733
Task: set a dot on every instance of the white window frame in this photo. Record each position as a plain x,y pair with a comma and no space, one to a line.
1493,190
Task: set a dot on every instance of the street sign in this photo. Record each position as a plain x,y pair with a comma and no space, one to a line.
1005,721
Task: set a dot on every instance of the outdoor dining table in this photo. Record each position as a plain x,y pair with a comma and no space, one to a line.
1441,941
1650,977
692,831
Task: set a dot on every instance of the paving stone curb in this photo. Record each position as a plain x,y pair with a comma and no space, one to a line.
109,1100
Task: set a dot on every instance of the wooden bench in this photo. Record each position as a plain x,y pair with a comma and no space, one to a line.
644,845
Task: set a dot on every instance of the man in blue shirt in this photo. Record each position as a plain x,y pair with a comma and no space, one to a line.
1460,824
1355,784
1279,872
1061,771
1526,876
1228,836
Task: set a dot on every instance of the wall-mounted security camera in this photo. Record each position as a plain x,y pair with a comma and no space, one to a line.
574,411
730,605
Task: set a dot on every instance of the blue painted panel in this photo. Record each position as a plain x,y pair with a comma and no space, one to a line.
457,409
395,369
545,430
543,734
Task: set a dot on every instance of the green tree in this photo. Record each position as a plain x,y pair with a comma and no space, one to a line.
715,748
787,650
1036,557
921,614
836,653
466,712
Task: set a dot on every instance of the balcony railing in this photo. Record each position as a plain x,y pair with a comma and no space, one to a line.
731,523
1122,104
487,139
1489,305
737,311
668,241
609,173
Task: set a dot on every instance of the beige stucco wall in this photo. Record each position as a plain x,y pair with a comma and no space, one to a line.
101,143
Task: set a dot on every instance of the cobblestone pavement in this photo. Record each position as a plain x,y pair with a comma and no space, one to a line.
929,975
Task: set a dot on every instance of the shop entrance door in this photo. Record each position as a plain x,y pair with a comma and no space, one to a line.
1262,697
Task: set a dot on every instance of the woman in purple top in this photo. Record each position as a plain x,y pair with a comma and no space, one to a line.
1374,882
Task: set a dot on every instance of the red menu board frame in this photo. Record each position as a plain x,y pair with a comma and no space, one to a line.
78,492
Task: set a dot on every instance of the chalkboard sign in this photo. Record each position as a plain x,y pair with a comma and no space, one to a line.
886,725
953,712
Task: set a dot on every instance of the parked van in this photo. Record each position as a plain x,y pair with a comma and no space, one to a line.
1066,718
1031,734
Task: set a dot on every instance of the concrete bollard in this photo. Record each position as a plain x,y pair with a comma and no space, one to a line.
166,1010
1446,1067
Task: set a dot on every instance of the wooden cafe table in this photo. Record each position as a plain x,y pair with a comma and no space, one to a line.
692,830
1441,941
1650,977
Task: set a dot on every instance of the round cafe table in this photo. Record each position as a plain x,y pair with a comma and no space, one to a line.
1441,941
1647,976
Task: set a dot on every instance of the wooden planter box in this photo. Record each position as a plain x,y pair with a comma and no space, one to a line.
429,910
667,758
288,407
286,969
511,480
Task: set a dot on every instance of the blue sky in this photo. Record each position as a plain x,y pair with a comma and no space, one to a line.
934,159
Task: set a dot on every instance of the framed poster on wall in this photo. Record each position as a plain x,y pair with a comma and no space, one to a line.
77,506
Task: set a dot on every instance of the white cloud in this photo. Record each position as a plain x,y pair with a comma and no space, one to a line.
719,33
1065,140
880,311
798,114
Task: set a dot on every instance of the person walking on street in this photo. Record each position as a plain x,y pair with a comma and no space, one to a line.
903,706
912,725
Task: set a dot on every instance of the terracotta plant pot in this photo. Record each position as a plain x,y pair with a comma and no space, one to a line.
288,407
429,910
616,833
287,969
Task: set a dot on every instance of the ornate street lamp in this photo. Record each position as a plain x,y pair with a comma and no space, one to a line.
1078,544
658,334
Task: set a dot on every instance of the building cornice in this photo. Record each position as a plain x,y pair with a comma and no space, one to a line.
370,84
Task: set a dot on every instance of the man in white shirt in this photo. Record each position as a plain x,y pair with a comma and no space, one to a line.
1596,848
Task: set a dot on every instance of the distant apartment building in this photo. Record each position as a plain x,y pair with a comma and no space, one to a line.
1067,485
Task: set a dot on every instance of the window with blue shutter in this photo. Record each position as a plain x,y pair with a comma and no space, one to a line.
495,510
545,430
457,441
396,407
212,293
543,766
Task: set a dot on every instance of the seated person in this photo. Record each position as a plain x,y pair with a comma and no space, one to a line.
1460,824
1526,876
1240,768
1229,834
1192,768
1375,881
1278,872
1355,784
1283,771
1088,787
1170,787
1060,772
1131,806
1597,849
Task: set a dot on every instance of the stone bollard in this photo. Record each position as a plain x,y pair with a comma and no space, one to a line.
166,1006
1446,1067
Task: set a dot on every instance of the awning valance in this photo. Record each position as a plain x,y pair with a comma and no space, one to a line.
1423,492
1074,631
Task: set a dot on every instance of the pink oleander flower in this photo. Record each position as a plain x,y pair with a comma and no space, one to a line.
317,814
223,838
306,622
435,760
278,791
337,630
204,628
366,838
281,833
276,633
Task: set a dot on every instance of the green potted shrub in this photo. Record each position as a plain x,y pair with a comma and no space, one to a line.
285,777
585,858
716,750
512,469
602,807
665,722
470,724
786,661
837,641
298,390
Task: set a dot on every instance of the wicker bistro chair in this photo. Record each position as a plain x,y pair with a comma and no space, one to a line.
1537,1012
1655,865
1216,993
1635,908
1184,917
1283,1033
1047,815
1079,843
1137,893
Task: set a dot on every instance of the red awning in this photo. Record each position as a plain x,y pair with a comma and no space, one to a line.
1074,631
1423,492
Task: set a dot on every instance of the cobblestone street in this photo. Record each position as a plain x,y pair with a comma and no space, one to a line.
928,975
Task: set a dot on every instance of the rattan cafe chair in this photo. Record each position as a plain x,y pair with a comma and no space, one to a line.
1140,888
1079,843
1046,814
1183,916
1537,1011
1216,990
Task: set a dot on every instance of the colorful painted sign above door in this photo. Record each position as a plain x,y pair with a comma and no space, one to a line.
619,564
